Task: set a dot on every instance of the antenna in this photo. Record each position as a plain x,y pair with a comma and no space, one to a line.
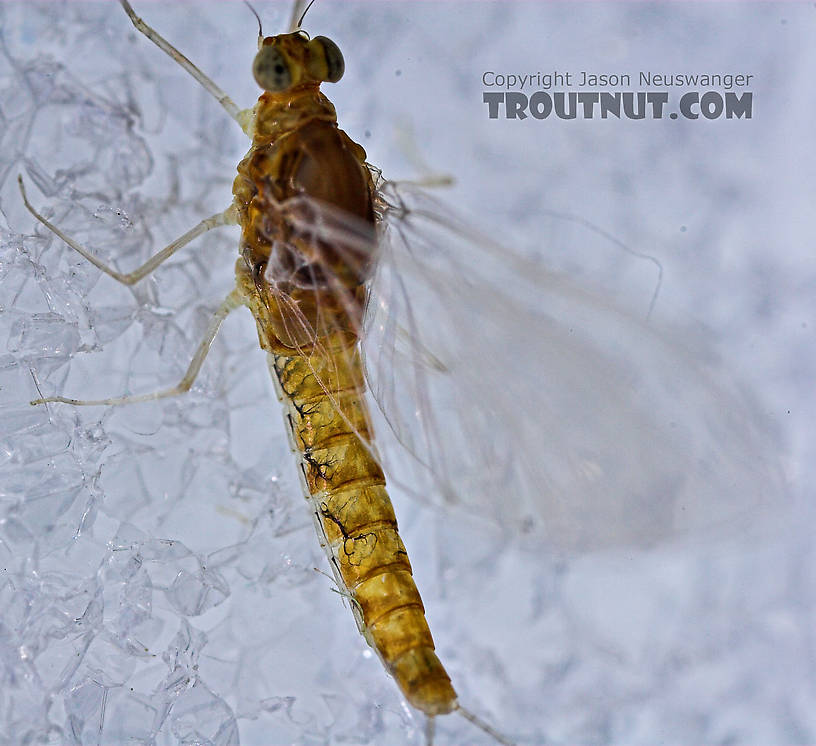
302,16
258,18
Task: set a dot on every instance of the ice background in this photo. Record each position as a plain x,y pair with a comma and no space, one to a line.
158,581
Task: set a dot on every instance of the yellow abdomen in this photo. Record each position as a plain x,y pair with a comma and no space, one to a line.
343,480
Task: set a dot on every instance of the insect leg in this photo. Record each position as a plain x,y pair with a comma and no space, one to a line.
227,217
432,181
409,146
209,85
231,302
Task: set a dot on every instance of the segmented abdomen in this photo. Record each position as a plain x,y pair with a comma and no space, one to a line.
328,419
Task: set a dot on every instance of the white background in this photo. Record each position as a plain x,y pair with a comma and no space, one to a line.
680,643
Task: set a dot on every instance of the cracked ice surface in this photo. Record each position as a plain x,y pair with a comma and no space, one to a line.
158,581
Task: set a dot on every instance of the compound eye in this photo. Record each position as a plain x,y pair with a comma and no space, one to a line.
329,64
271,70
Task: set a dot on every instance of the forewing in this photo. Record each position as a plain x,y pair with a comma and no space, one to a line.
547,404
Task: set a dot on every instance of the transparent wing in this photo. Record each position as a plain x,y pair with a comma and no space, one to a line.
549,405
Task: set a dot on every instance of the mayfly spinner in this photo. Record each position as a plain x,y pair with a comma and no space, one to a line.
520,395
308,207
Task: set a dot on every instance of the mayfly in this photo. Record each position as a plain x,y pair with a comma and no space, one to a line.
307,204
333,278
